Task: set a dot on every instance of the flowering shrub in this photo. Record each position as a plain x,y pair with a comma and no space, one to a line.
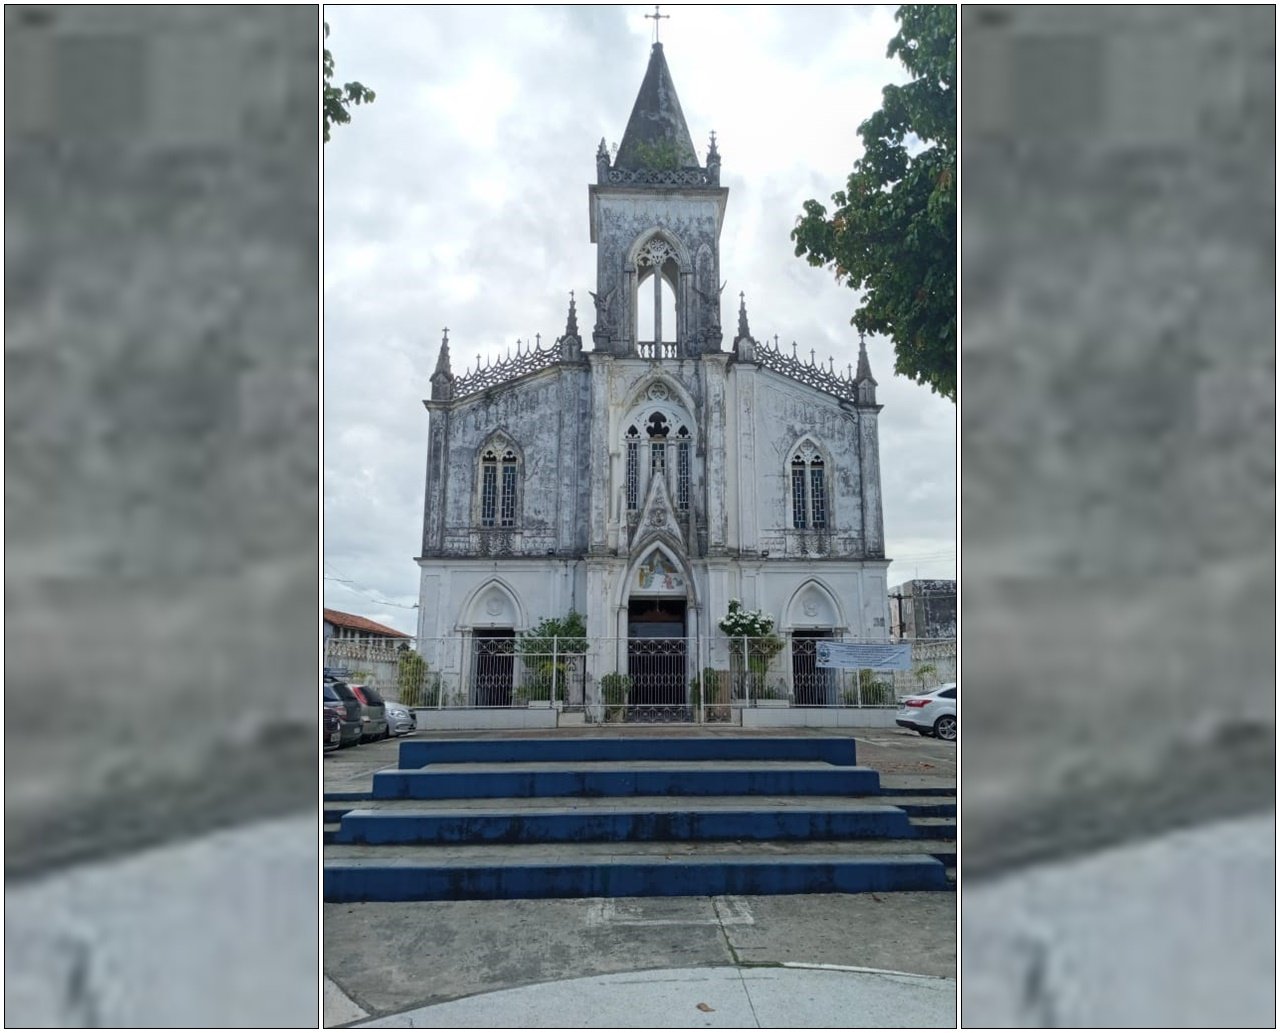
751,623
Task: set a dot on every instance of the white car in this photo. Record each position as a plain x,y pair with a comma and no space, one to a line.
931,713
400,719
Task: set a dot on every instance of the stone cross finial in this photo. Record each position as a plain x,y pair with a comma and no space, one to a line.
656,20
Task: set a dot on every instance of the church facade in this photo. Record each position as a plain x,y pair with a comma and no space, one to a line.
649,472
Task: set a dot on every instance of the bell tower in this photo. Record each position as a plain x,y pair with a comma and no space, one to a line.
656,214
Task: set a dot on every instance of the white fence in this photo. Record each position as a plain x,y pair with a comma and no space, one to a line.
706,680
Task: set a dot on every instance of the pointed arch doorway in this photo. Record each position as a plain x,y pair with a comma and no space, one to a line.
657,641
657,659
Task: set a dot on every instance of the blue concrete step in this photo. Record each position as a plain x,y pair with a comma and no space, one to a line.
420,753
689,822
404,880
510,780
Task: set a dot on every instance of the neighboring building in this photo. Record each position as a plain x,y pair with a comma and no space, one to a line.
648,481
339,625
923,609
363,650
923,612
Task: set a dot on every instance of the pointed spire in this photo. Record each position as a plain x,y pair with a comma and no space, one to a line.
602,162
864,363
571,342
713,161
442,378
571,324
744,345
657,135
864,382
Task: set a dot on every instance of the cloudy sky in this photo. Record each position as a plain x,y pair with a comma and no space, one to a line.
459,199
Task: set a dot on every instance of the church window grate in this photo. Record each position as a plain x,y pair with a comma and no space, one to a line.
489,490
509,490
682,471
633,469
799,507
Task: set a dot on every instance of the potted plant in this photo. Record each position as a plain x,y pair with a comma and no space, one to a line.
614,689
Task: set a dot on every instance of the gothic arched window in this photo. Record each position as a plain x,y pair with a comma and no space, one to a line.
683,464
499,482
657,329
633,468
808,489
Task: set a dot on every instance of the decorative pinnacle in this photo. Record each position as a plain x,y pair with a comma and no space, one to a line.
712,153
442,363
864,363
571,324
743,329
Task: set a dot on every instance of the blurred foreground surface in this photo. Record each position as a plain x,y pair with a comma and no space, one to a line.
161,496
1118,489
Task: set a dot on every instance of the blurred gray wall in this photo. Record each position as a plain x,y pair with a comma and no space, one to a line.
1118,448
1118,188
161,422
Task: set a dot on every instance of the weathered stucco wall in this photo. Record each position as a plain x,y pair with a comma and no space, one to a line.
160,399
1119,403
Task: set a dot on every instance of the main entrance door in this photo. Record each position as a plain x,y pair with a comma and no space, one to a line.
656,660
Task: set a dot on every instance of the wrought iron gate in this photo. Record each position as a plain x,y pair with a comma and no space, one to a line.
658,668
493,670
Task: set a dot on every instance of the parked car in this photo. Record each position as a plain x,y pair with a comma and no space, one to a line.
339,697
375,713
400,719
931,713
331,728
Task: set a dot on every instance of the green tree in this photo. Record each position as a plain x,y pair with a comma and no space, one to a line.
892,234
555,644
339,99
411,678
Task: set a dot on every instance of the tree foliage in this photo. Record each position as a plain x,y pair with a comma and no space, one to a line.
892,234
338,100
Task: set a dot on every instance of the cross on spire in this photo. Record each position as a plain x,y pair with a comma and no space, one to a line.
656,20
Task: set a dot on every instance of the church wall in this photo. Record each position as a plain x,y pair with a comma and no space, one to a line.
543,417
773,415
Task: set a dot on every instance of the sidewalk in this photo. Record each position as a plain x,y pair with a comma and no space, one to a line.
719,997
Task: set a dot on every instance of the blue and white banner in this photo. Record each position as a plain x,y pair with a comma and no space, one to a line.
871,656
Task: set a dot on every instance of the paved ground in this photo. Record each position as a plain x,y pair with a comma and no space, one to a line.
387,959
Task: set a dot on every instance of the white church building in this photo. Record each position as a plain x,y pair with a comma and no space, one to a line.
649,476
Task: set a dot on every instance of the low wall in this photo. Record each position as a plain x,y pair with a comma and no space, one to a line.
481,717
818,717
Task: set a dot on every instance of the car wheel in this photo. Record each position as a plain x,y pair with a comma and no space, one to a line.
946,728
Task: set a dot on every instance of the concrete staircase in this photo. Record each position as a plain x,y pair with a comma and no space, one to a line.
634,816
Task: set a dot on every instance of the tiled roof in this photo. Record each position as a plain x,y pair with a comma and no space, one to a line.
350,620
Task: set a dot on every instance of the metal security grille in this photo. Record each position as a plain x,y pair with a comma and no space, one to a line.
508,491
798,507
812,686
633,471
489,492
818,494
493,670
658,669
682,476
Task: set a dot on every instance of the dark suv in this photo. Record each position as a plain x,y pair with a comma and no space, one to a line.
375,713
337,696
